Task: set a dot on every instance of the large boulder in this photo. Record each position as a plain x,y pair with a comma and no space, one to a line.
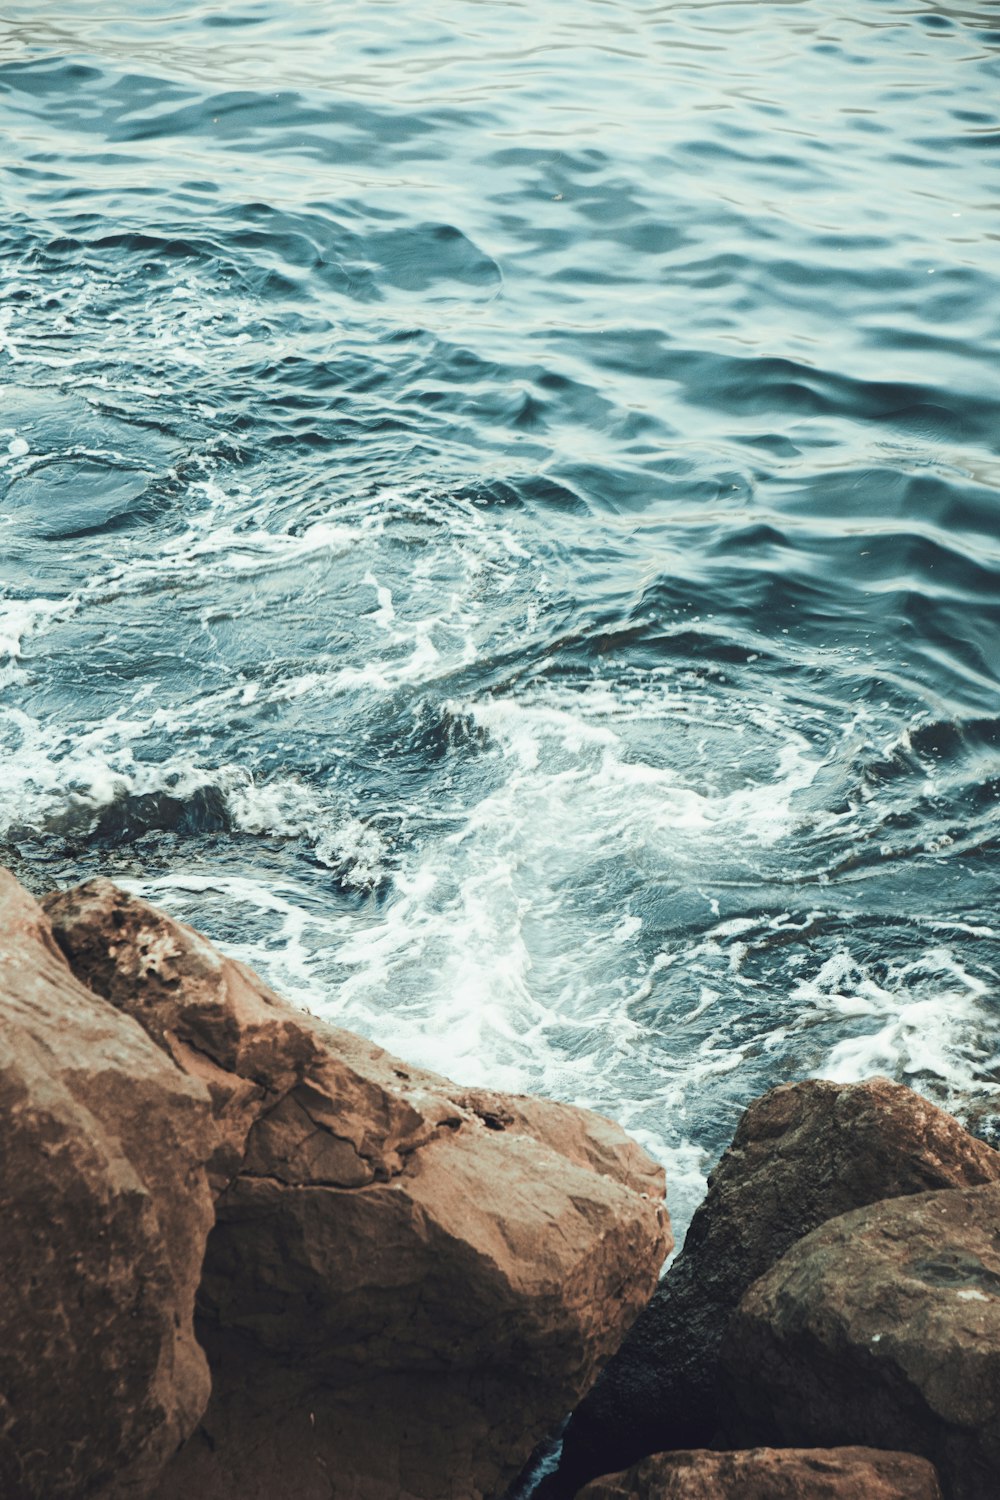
803,1153
773,1474
407,1283
881,1327
105,1214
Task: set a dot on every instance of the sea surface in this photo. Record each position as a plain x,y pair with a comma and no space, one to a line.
500,524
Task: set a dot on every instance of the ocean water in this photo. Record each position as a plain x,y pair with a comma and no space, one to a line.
499,524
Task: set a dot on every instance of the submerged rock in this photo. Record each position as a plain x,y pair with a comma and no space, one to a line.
105,1214
883,1324
407,1283
803,1153
773,1474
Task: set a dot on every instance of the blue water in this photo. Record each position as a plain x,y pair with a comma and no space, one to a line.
499,523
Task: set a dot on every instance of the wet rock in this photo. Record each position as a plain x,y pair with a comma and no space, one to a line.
773,1474
883,1324
105,1212
802,1154
407,1283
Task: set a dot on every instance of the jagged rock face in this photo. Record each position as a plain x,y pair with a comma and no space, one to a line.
884,1323
105,1212
420,1280
215,1019
803,1153
773,1474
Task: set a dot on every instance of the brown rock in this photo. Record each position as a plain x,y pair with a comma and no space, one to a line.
105,1210
214,1018
802,1154
773,1474
407,1283
883,1324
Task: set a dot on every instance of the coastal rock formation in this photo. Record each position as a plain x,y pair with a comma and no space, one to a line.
407,1283
802,1154
883,1324
105,1213
773,1474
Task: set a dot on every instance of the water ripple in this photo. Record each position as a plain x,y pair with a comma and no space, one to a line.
498,515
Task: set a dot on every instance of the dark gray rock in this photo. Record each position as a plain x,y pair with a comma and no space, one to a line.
881,1327
802,1154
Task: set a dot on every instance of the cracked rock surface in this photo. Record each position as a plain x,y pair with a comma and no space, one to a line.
408,1283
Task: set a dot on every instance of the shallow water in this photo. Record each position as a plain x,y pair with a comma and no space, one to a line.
499,524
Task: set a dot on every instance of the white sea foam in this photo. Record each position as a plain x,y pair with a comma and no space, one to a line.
46,782
924,1019
475,967
21,618
483,961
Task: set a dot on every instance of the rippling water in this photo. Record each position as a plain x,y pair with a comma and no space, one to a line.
499,523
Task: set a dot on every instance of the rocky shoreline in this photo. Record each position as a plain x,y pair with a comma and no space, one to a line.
248,1254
